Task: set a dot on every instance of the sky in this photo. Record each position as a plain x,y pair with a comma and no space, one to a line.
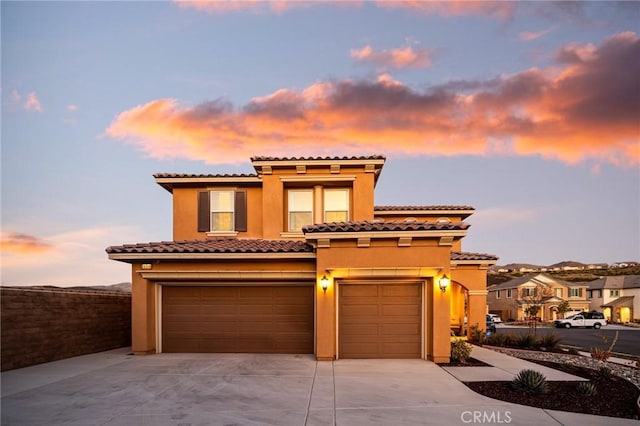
528,111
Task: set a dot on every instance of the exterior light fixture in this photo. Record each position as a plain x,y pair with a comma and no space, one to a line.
324,283
444,282
147,266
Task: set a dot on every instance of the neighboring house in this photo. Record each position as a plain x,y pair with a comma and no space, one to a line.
511,299
618,297
296,259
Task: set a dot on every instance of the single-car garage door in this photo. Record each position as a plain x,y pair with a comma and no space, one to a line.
380,320
256,319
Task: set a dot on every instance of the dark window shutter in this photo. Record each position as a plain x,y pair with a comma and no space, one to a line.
241,211
204,212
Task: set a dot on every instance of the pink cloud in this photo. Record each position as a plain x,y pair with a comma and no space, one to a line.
16,243
493,9
72,107
32,103
532,35
584,108
404,57
274,6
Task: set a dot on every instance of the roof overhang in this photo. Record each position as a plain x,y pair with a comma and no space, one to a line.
171,182
135,257
444,237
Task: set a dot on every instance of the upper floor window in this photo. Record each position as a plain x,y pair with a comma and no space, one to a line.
558,292
575,292
614,293
497,294
336,205
222,211
508,293
528,292
300,204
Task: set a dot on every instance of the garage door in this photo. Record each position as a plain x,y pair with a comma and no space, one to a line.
380,321
257,319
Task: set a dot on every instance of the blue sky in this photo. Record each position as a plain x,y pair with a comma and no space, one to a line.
529,111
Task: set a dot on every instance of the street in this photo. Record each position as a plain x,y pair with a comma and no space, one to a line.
586,338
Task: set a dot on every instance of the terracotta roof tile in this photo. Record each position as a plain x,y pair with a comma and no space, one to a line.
366,157
433,207
383,226
463,255
215,246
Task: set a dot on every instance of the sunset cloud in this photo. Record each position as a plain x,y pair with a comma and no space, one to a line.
532,35
585,108
30,103
274,6
16,243
493,9
403,57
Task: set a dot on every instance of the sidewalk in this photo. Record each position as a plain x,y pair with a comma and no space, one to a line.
503,368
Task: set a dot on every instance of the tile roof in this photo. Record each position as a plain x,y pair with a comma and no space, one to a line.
364,157
383,226
202,175
215,246
433,207
462,255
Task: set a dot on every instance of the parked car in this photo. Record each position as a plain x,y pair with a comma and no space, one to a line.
583,319
491,325
496,318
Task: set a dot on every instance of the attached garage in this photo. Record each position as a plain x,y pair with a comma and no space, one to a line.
241,318
380,320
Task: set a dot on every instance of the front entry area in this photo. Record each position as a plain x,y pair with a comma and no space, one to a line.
380,320
238,319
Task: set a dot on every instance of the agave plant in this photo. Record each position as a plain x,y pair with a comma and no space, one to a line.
587,388
530,381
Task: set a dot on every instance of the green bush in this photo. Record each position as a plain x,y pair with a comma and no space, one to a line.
549,341
587,388
497,339
605,372
525,341
461,350
477,335
530,381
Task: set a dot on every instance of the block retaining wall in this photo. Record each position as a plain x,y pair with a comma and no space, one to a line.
40,326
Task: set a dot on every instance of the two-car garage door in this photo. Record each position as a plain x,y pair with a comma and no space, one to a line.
254,319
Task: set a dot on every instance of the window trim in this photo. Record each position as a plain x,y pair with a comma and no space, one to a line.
289,191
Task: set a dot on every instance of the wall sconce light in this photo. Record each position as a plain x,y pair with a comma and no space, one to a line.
444,282
147,266
324,283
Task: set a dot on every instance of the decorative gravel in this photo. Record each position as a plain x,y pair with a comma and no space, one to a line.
627,372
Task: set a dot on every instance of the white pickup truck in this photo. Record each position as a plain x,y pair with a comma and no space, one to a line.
588,319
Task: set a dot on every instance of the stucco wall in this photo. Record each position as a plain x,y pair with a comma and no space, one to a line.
46,325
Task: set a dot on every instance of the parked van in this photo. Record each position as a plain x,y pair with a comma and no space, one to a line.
583,319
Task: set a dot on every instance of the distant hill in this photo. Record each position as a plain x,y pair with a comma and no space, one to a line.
567,263
515,266
123,287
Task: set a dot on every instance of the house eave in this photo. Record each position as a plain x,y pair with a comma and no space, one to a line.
134,257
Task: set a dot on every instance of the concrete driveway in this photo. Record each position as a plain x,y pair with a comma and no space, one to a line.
114,388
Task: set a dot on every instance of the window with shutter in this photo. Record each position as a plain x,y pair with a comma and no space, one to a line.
222,211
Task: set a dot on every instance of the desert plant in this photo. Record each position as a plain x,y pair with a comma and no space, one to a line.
605,372
549,341
526,340
497,339
477,335
460,350
600,354
530,381
587,388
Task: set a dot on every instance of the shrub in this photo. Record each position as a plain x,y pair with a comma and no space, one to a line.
587,388
605,372
600,354
549,341
477,335
573,351
460,350
530,381
497,339
526,340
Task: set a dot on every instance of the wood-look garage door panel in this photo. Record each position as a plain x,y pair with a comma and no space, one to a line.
380,320
269,319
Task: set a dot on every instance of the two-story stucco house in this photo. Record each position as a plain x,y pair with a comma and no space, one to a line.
618,297
512,298
297,259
